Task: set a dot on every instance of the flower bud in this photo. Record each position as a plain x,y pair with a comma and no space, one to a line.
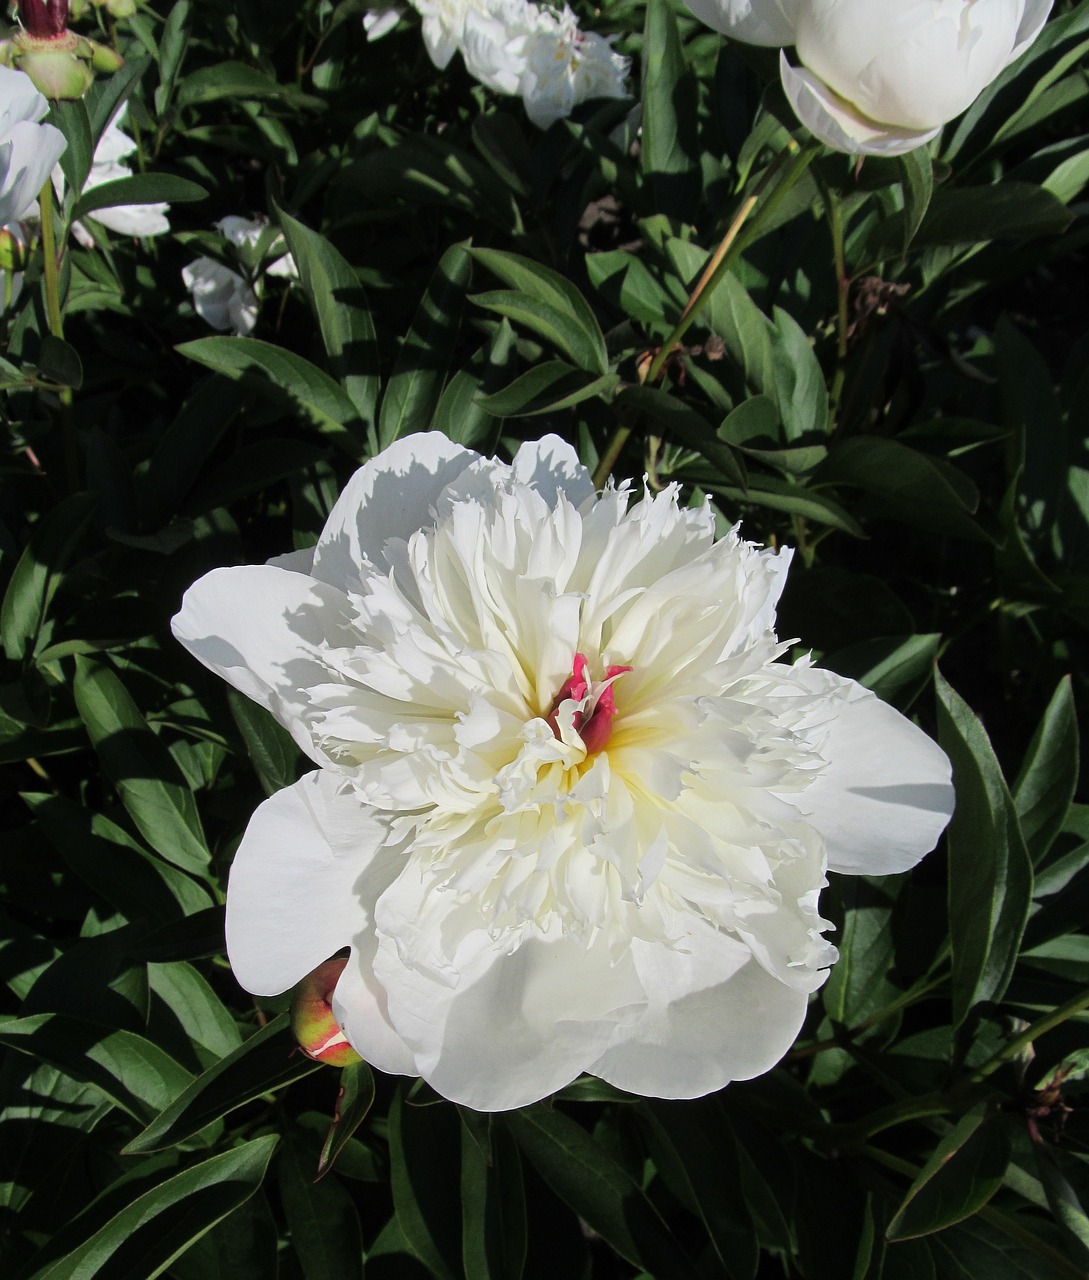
14,250
312,1022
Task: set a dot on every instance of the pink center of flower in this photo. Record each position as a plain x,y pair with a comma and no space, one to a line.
593,720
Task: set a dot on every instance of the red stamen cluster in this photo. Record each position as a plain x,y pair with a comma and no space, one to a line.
594,728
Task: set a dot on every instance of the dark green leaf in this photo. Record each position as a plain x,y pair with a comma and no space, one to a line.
1045,786
272,750
547,387
423,1144
669,155
59,362
140,767
324,1226
664,413
917,181
990,875
141,188
354,1102
267,1061
71,118
493,1207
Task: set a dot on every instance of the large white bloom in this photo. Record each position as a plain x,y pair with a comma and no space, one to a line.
571,813
566,66
444,26
221,297
751,21
883,76
28,150
109,165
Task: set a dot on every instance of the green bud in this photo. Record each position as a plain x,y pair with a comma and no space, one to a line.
121,8
105,59
14,251
60,66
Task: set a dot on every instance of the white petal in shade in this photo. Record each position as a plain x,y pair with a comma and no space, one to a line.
1032,21
259,626
388,497
885,795
504,1030
294,899
552,467
714,1015
835,122
28,153
750,21
361,1010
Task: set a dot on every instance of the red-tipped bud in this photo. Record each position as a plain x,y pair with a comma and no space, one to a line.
317,1031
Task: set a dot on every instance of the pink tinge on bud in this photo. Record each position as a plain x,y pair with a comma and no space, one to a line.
594,723
44,18
312,1022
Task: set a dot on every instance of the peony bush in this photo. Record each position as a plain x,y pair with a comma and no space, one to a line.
543,575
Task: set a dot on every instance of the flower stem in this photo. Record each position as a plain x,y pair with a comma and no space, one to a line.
1047,1023
834,211
49,254
794,160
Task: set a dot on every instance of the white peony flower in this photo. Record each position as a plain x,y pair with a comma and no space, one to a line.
570,812
882,76
221,296
494,43
28,150
751,21
246,232
443,26
380,22
108,166
566,66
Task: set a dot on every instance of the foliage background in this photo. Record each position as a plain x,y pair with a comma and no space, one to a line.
915,424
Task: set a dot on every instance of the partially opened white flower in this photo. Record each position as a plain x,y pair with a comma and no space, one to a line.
221,296
751,21
28,150
246,232
443,26
882,76
570,812
566,66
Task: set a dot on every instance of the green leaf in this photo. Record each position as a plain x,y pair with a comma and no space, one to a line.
354,1101
271,749
1066,1207
971,215
669,154
141,188
115,865
59,362
148,781
493,1206
896,668
423,1177
561,307
908,486
962,1174
917,182
589,1181
546,388
205,1019
416,382
39,571
626,282
990,875
315,393
1045,787
340,307
459,414
133,1073
142,1240
72,119
173,44
323,1222
665,413
858,984
264,1063
232,80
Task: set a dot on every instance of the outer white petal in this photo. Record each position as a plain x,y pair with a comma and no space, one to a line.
258,626
490,1030
19,99
835,122
1032,23
292,899
714,1015
885,795
552,467
361,1010
301,561
380,22
28,153
388,497
750,21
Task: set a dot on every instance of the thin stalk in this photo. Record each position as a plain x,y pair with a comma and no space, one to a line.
612,451
49,253
834,211
795,160
1047,1023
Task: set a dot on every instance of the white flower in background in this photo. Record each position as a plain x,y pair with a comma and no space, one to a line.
221,296
570,812
443,26
108,166
495,40
566,66
882,76
751,21
28,150
380,22
246,232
